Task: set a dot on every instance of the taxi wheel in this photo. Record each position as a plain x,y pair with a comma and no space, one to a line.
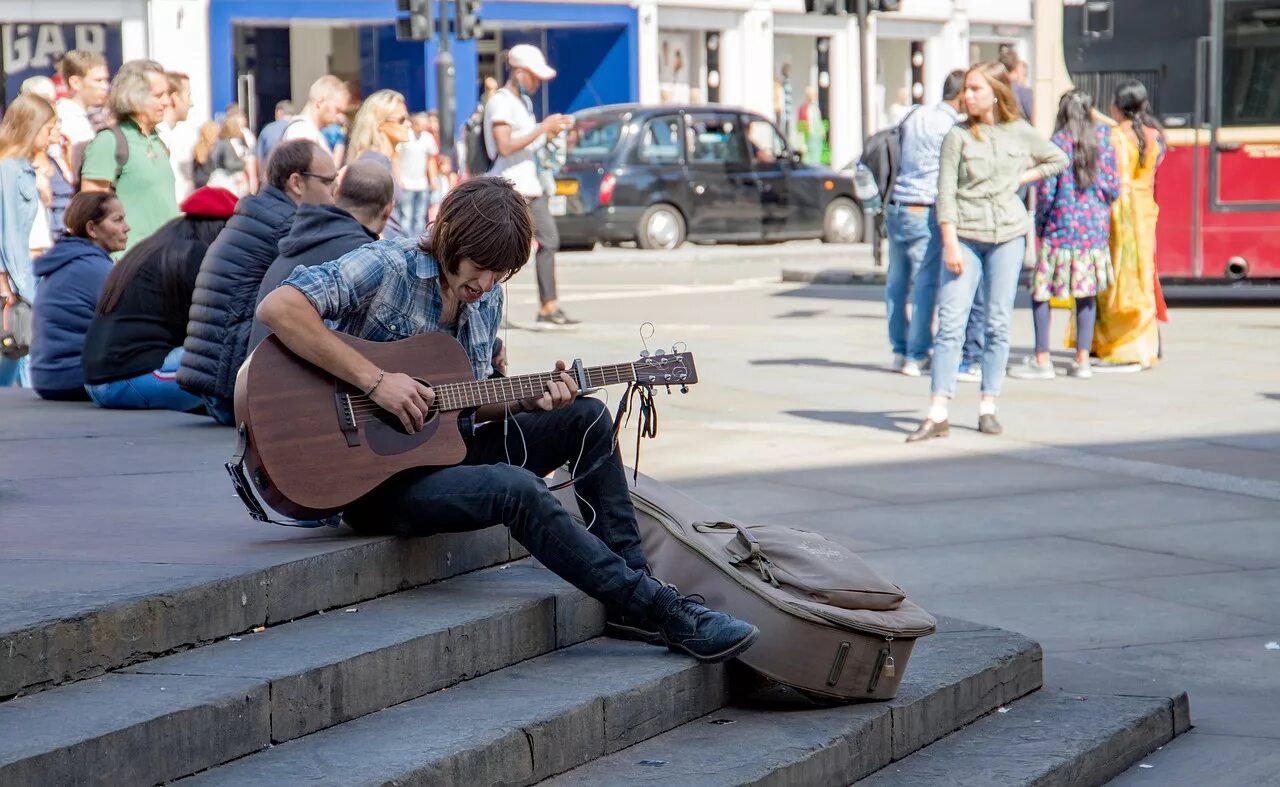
661,227
842,222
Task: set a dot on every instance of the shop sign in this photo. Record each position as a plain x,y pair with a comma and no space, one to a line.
30,49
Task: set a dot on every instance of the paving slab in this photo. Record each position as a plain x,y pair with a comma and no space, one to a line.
1247,594
515,726
1202,759
1253,543
1072,616
1046,739
1021,563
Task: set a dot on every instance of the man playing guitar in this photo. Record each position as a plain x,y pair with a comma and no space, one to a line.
451,281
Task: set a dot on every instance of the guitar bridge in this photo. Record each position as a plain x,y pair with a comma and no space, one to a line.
347,418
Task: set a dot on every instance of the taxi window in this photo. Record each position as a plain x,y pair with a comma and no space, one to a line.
715,139
660,141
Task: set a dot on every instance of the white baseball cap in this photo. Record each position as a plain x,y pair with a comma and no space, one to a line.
530,57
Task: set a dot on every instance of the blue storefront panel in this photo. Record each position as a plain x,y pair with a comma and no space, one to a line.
593,47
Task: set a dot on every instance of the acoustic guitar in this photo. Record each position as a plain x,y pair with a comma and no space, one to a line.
311,444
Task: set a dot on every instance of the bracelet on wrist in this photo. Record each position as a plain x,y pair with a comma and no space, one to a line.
376,383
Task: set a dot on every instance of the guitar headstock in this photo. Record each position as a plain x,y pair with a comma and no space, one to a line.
666,368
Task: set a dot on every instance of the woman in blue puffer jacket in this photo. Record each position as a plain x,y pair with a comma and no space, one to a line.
71,277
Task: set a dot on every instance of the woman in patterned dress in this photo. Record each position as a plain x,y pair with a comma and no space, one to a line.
1073,223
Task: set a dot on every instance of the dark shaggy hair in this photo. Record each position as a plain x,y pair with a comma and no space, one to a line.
1075,116
87,207
1132,100
290,158
483,220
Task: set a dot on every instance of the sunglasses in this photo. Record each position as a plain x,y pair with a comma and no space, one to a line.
327,180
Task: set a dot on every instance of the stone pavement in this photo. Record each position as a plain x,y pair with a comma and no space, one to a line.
1131,524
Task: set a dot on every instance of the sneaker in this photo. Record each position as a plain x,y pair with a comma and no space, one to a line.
969,374
987,424
557,320
1030,370
911,368
1082,371
1118,368
689,627
898,362
623,626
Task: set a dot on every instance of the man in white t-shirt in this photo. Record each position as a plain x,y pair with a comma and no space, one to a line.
417,174
85,75
177,134
326,102
513,136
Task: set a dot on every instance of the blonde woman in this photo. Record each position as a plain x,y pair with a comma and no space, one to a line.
230,157
984,226
202,164
25,132
380,127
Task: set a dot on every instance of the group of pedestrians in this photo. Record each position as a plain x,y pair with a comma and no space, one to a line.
959,228
143,288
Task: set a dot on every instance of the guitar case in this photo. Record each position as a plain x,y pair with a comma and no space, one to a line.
830,626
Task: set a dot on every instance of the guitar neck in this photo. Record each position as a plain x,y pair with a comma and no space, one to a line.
459,396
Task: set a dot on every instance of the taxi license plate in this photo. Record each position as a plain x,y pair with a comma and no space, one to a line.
559,205
567,188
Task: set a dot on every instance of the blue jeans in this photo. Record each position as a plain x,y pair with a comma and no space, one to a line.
15,372
915,257
606,562
973,331
156,390
993,267
411,212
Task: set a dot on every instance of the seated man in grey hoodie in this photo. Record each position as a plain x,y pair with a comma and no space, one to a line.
321,233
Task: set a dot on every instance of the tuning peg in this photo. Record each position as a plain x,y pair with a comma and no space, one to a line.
644,353
659,353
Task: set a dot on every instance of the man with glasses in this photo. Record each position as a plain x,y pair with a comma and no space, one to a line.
298,173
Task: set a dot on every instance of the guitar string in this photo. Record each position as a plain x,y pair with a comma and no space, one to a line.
455,399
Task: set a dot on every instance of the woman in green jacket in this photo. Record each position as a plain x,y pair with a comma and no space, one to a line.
984,227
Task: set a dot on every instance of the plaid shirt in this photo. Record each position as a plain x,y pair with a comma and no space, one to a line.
388,290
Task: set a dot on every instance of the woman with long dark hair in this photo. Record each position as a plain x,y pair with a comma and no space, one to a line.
72,275
134,344
1127,337
1073,223
984,163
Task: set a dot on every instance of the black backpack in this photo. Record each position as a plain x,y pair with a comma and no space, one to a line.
882,154
478,161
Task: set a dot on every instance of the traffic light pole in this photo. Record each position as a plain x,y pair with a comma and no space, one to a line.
446,92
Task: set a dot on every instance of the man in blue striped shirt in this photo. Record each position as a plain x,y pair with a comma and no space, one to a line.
915,242
451,282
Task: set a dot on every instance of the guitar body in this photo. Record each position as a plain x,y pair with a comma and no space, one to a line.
312,451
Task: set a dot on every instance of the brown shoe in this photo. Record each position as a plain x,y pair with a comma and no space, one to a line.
987,424
928,430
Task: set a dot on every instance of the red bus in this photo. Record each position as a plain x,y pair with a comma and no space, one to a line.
1212,68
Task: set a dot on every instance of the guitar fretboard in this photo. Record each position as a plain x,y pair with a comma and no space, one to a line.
458,396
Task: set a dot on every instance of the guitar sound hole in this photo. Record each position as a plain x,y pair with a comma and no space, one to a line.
391,421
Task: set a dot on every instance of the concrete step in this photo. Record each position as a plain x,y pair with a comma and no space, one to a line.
515,726
954,677
1047,739
177,715
173,614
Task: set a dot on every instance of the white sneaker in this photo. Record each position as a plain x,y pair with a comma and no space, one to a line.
1082,371
1030,370
898,361
911,368
972,374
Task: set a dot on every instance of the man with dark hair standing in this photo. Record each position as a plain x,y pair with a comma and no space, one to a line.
1017,68
915,242
320,233
450,281
299,173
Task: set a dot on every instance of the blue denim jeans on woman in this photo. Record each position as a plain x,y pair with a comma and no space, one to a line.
915,257
500,482
995,268
411,211
157,390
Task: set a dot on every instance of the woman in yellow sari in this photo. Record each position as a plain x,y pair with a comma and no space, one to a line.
1127,337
